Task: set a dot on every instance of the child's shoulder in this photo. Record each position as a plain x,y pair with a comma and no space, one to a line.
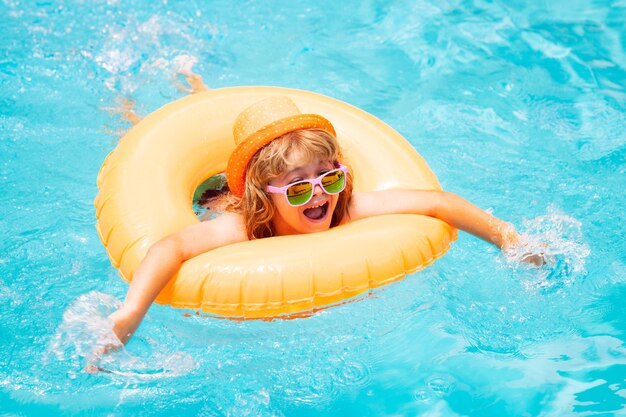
224,229
230,220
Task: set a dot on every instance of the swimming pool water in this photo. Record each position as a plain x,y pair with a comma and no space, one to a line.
518,106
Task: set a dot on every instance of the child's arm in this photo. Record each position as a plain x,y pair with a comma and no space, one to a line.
449,207
162,262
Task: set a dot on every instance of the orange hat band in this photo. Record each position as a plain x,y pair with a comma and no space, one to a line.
245,150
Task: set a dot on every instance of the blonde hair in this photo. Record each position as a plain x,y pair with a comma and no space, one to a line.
271,161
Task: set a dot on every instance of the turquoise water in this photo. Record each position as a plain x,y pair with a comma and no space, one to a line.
518,106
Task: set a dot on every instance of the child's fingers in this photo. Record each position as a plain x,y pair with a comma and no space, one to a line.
536,259
92,367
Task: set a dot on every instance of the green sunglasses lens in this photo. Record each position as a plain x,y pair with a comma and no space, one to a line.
299,193
334,182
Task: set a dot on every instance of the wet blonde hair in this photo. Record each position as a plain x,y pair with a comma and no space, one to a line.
270,162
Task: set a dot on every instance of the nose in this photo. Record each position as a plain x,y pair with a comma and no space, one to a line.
318,190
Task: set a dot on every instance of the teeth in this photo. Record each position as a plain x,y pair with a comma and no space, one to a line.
319,205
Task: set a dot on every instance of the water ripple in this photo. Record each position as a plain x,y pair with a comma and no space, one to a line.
353,375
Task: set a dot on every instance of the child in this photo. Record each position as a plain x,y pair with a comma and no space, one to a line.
286,177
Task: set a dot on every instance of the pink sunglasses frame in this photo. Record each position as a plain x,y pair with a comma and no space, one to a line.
314,182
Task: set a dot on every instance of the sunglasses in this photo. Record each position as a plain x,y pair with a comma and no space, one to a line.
301,192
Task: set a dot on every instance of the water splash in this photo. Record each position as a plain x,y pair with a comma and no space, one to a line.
86,332
85,328
558,239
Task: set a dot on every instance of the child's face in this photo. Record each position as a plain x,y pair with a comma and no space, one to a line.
314,216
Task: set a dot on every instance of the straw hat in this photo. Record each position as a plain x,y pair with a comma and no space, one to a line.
260,124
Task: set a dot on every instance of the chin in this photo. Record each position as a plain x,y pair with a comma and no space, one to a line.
315,228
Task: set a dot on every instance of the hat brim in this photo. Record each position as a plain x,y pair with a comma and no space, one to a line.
245,150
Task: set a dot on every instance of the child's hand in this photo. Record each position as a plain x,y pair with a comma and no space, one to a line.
536,259
524,251
92,367
124,325
108,343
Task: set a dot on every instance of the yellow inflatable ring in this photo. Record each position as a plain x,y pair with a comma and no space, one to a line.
147,182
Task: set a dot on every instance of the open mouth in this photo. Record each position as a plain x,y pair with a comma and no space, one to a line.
318,212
